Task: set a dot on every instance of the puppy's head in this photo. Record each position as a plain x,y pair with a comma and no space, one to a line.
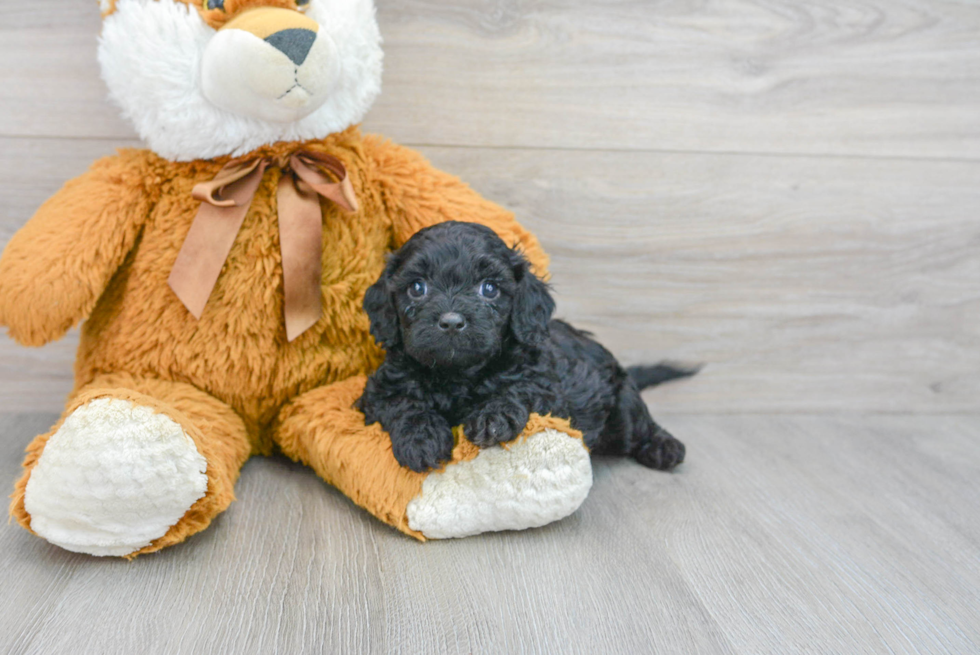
455,296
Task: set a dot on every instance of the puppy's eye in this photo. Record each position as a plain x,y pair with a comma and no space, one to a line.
302,4
214,4
417,289
489,290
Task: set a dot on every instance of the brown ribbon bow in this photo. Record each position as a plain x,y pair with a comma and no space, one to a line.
225,201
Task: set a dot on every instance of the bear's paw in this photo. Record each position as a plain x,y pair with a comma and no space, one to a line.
531,483
113,478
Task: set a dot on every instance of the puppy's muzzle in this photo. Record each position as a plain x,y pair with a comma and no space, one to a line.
452,322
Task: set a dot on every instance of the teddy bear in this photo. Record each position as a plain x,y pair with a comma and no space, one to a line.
218,276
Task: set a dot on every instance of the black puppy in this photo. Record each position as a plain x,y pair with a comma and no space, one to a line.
469,338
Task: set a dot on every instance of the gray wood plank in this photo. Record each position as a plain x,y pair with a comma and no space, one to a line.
871,78
810,534
49,79
811,518
804,284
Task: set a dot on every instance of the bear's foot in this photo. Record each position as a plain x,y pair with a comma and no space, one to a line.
113,478
533,482
542,476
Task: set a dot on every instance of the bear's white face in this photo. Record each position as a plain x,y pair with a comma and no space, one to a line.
270,63
230,76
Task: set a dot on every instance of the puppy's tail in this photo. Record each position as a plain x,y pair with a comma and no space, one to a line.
645,377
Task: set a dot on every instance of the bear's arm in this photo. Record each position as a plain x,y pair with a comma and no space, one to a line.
56,267
417,195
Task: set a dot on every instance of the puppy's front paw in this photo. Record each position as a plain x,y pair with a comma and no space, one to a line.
495,423
422,442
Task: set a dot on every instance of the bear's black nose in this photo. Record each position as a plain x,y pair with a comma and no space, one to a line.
295,43
451,322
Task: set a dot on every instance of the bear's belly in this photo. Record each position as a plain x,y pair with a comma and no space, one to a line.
237,350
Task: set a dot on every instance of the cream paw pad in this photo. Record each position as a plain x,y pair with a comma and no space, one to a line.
114,477
530,483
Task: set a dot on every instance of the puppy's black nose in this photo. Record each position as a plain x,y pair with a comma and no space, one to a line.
451,322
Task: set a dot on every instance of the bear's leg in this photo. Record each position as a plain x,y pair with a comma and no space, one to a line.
539,478
133,465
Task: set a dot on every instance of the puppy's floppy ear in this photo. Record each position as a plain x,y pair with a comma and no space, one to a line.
380,307
533,304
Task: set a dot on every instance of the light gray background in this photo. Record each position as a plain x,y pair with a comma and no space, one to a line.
787,191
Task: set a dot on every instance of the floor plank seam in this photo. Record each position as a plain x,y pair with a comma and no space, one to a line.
720,153
526,148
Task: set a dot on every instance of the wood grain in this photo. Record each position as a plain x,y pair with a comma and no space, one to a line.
824,77
653,148
803,534
804,284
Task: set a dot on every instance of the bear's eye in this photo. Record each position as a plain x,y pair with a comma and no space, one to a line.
214,4
489,290
417,289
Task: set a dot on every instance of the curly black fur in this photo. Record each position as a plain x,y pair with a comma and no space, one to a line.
469,338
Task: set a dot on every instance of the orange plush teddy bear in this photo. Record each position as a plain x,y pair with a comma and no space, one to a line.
222,273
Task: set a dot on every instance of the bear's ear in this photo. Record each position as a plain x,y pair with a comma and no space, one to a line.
379,303
533,304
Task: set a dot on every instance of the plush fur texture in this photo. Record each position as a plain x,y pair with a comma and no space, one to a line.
152,53
229,385
469,338
320,429
103,247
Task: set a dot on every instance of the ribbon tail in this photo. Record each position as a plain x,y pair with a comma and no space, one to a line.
347,192
301,245
209,240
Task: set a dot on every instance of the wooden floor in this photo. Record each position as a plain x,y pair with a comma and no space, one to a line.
787,191
781,534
